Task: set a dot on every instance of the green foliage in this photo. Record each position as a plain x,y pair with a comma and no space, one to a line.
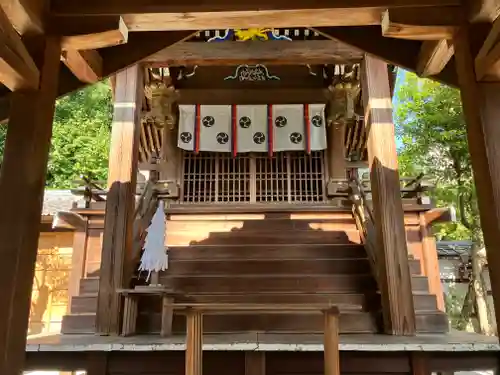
431,127
81,136
454,300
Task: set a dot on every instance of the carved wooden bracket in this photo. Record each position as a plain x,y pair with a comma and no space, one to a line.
161,96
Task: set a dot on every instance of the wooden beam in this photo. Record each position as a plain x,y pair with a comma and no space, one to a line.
400,52
120,206
487,59
24,168
420,24
263,18
86,65
396,290
25,15
17,68
313,52
483,10
90,33
433,57
222,7
440,215
480,104
251,96
139,47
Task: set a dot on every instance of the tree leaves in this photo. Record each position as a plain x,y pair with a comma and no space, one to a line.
431,127
80,137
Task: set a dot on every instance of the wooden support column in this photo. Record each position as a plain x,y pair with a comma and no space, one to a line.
120,204
22,181
194,343
331,342
430,263
336,151
97,363
255,363
481,105
395,281
78,259
419,364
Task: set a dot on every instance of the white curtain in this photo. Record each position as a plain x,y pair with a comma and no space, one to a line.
293,127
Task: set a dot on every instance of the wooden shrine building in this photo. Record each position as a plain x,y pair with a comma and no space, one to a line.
249,125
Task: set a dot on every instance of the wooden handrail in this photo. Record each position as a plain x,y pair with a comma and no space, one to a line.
363,217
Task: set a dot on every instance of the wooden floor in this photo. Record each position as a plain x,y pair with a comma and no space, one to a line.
452,342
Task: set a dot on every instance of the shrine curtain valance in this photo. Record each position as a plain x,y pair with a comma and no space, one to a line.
252,128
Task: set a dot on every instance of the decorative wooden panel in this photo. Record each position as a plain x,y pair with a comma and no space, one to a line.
253,178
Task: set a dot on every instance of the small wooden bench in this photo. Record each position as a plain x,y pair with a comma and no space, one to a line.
130,308
194,322
194,330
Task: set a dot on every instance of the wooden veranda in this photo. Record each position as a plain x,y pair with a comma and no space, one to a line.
51,48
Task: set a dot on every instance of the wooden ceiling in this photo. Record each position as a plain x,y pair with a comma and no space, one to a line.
100,37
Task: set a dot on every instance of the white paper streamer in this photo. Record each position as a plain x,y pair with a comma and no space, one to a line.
155,256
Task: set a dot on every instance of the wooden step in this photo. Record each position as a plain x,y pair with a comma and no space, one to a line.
419,284
432,322
270,283
428,322
78,324
245,251
262,225
89,285
353,302
263,238
350,322
276,266
269,266
354,322
423,302
84,304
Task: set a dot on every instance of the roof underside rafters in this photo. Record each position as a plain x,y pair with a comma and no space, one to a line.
100,36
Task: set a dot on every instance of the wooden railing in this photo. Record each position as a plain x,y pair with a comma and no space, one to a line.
363,217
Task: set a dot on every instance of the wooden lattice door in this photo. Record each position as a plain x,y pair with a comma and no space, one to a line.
287,177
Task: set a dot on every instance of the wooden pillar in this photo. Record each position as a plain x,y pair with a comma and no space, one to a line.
331,342
120,204
170,155
481,106
336,151
194,343
97,363
22,181
255,363
395,281
419,364
430,263
78,259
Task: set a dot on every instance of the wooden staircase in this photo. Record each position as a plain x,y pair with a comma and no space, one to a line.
268,258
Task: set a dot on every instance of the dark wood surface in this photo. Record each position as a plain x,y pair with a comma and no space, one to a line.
388,214
115,271
24,168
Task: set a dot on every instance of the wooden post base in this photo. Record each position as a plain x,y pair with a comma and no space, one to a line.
331,342
129,315
194,343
